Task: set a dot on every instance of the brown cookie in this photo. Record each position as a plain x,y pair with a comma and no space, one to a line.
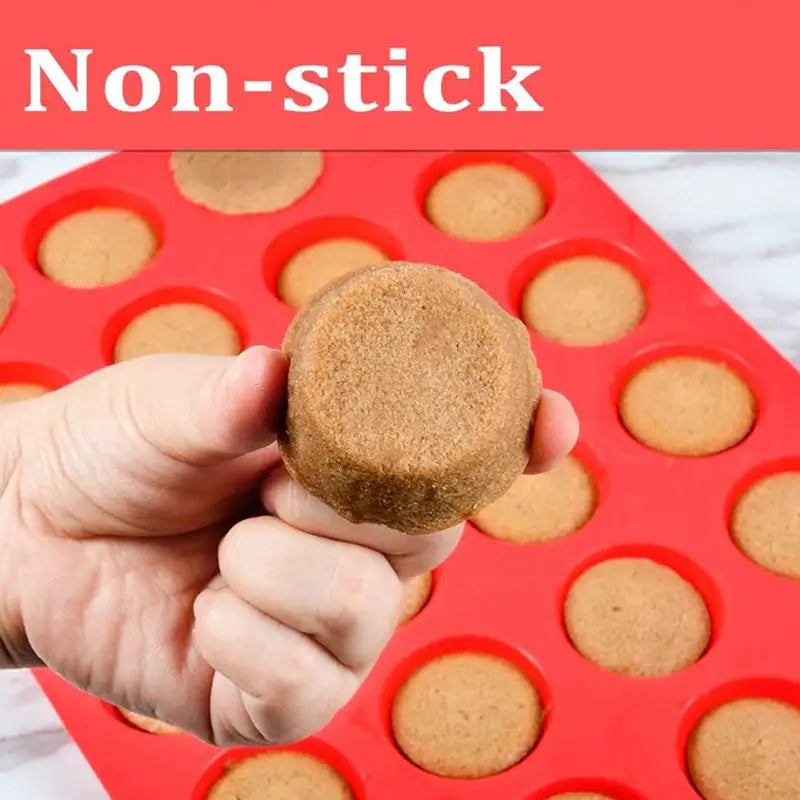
467,715
485,202
636,617
280,775
313,267
410,397
15,392
6,296
585,300
245,182
178,328
765,523
415,595
541,507
148,723
747,749
580,796
97,247
687,406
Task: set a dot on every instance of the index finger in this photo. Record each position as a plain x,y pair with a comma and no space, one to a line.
409,555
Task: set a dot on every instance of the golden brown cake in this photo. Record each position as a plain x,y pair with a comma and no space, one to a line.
467,715
583,301
97,247
178,328
636,617
485,202
245,182
411,395
687,406
416,592
148,724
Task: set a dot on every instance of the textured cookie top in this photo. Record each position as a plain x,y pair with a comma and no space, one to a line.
748,749
281,775
410,366
410,397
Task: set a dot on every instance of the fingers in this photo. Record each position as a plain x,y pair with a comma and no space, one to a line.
555,431
346,597
409,555
288,685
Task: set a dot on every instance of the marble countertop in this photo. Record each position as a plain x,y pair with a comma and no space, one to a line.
735,217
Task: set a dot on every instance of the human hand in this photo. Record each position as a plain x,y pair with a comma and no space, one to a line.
131,565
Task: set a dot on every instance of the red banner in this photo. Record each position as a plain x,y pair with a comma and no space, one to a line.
341,75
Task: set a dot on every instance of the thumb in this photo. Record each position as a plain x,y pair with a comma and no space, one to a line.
197,409
159,444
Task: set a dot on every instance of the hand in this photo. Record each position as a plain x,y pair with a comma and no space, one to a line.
131,564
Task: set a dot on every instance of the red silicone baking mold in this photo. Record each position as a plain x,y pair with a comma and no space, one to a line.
604,732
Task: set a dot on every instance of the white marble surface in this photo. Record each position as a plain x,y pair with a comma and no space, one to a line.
735,217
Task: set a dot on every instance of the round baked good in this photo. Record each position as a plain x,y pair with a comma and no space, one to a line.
765,523
178,328
747,749
583,301
316,265
411,395
6,295
485,202
15,392
467,715
97,247
636,617
688,406
280,775
415,595
541,507
148,724
245,182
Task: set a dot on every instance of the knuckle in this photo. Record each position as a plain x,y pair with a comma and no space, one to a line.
233,547
364,587
288,679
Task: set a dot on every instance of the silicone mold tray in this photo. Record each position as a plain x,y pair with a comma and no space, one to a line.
603,732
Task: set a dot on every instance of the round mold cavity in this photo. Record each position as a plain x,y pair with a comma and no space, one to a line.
614,790
552,254
747,481
36,374
114,712
770,688
535,169
463,644
287,244
683,566
312,746
86,200
717,355
586,456
8,296
430,596
162,297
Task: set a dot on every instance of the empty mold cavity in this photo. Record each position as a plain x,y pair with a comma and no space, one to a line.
71,248
763,516
547,506
615,646
743,740
316,748
228,327
688,401
303,259
582,292
458,757
484,196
